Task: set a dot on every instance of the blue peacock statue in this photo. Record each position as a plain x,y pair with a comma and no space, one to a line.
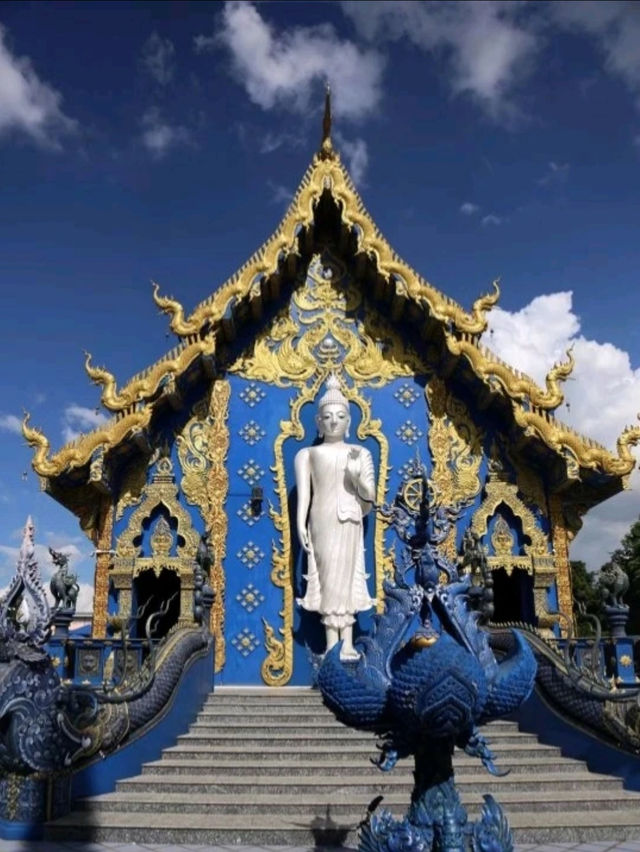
425,681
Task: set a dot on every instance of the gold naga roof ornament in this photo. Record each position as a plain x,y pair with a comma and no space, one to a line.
134,401
79,452
517,385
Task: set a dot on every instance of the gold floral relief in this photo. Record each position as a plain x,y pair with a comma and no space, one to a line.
537,558
103,562
277,667
560,540
216,519
161,491
455,444
133,483
322,312
194,456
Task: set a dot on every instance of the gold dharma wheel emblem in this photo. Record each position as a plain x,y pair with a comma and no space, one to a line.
413,492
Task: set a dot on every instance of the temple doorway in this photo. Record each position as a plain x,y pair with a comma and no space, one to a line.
513,596
155,594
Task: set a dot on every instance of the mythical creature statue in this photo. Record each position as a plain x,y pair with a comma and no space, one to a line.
202,592
474,562
64,583
614,583
336,488
425,680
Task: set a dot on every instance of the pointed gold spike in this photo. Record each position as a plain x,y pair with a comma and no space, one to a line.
326,149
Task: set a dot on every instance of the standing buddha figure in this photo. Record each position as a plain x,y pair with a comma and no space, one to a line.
336,488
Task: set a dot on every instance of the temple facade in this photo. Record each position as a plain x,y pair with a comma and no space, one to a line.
203,442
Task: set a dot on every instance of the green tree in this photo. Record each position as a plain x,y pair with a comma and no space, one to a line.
585,593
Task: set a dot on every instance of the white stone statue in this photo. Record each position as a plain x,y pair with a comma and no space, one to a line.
336,488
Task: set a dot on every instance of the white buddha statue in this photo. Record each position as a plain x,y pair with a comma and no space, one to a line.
336,488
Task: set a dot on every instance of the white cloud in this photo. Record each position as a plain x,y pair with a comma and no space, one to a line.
356,155
270,142
556,173
27,103
615,26
485,48
158,58
159,137
77,419
11,423
279,193
468,208
603,395
285,68
492,219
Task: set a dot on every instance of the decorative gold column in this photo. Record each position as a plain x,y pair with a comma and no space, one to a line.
217,522
560,539
103,542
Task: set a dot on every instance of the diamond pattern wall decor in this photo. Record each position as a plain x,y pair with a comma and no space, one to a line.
252,432
250,554
408,433
406,394
252,394
251,472
245,642
250,597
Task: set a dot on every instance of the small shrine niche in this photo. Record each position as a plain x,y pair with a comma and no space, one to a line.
153,566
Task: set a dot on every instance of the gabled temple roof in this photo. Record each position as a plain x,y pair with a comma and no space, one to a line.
258,282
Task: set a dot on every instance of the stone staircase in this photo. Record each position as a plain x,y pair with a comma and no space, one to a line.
262,767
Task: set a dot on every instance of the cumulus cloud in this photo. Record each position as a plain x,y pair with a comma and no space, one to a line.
158,58
486,48
603,396
615,26
283,69
468,208
11,423
28,104
159,137
77,419
356,155
492,219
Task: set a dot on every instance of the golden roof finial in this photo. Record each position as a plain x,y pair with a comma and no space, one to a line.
326,149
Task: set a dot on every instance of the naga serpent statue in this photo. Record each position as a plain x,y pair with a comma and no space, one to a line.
49,726
425,679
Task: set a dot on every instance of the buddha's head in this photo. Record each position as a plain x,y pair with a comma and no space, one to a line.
333,417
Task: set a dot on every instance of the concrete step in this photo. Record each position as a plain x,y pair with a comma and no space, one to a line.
348,751
339,764
312,802
333,739
349,783
273,767
263,829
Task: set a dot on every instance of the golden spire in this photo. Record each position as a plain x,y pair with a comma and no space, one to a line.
326,149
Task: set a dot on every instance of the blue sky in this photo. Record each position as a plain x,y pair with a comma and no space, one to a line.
163,141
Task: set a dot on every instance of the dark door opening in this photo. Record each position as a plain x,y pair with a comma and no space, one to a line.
513,596
153,593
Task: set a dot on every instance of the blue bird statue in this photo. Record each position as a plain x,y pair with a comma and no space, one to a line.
426,679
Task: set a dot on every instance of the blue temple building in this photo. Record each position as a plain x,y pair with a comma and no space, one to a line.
203,441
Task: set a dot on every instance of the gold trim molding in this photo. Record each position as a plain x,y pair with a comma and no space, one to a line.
455,444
